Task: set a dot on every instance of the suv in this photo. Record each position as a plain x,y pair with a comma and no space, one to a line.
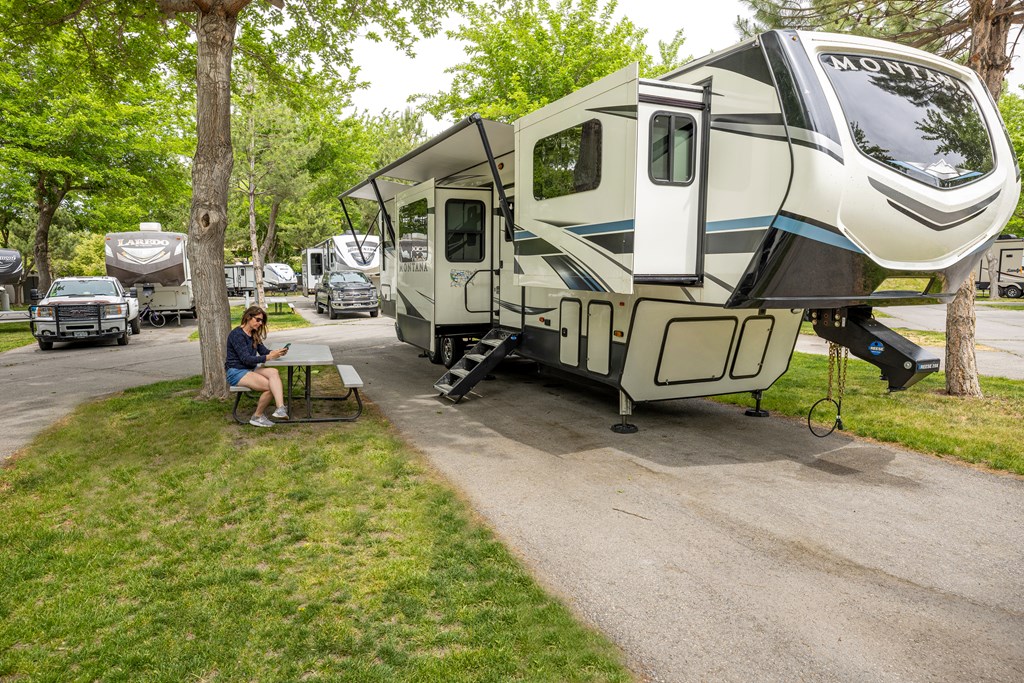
77,308
345,291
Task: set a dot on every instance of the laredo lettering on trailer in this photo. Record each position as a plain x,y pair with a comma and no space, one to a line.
887,66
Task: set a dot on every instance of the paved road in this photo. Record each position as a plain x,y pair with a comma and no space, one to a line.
710,546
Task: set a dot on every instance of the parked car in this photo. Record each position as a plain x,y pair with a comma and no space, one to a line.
78,308
345,291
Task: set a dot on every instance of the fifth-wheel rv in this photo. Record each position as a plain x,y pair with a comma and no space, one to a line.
156,264
11,272
349,251
1009,255
279,277
667,236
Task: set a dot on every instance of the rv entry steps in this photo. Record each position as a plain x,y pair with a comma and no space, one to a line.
477,362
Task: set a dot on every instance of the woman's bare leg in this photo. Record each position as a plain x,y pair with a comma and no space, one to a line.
254,379
276,387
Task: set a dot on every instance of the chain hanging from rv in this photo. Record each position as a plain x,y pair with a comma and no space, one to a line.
838,357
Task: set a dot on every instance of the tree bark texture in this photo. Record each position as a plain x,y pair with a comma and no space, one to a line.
961,362
269,247
211,176
990,31
48,200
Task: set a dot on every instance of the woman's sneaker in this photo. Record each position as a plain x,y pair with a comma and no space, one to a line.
260,421
281,413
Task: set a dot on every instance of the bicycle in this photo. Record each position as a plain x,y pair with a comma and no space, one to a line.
155,318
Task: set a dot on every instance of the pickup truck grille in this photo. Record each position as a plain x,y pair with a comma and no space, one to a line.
78,311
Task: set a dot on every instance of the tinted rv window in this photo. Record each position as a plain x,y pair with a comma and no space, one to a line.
412,232
568,162
672,148
464,230
916,120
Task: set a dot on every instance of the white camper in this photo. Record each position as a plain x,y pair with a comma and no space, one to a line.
156,264
1009,255
348,251
668,235
279,277
240,279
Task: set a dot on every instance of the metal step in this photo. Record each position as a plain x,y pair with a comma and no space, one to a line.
474,366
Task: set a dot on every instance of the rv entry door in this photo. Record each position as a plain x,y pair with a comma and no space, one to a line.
672,125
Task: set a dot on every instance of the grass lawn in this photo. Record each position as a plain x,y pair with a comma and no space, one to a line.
986,431
276,321
15,335
919,337
212,551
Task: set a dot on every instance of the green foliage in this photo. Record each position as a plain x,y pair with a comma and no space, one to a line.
85,258
203,550
1011,106
523,54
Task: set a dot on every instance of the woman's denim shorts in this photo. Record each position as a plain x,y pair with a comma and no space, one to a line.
235,375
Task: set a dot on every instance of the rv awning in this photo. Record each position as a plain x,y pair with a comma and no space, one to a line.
455,150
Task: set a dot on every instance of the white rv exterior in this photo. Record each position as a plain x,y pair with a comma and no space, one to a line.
1009,255
280,277
240,279
670,234
155,263
341,252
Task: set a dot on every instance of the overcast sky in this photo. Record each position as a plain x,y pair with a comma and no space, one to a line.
709,25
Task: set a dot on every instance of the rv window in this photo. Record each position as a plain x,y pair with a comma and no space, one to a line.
464,230
672,149
412,232
915,120
568,162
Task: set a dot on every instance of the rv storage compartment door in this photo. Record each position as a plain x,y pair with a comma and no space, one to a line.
569,328
670,184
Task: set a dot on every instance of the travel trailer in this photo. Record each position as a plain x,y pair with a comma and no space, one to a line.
279,277
240,279
156,264
11,267
348,251
667,237
11,273
1009,254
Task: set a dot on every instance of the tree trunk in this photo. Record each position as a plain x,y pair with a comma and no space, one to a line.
268,248
211,176
989,35
992,266
961,362
257,259
48,200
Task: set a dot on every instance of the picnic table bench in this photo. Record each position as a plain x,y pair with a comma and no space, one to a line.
350,379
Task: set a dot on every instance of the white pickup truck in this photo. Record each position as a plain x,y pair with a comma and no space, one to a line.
78,308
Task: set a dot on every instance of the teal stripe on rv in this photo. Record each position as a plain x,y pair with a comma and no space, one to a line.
813,232
740,223
614,226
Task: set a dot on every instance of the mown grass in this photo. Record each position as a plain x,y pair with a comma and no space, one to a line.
985,431
15,335
276,321
149,538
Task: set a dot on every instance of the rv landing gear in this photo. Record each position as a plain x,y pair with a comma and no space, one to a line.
625,410
756,410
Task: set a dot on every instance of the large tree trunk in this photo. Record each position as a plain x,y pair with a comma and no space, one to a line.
961,362
48,200
990,31
269,246
211,175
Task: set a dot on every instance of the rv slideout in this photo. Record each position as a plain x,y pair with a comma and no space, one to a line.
156,264
669,234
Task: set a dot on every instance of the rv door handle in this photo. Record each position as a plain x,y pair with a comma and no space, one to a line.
565,331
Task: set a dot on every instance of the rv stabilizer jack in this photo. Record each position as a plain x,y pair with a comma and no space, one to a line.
902,362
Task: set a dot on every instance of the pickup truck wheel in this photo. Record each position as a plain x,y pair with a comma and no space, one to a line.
136,325
123,339
374,314
330,313
45,345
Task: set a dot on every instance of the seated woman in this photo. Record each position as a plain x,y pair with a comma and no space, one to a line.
245,352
